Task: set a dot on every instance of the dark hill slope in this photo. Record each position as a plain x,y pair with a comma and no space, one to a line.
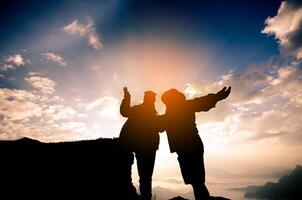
94,169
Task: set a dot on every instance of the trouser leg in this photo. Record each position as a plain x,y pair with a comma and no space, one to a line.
145,166
193,172
200,191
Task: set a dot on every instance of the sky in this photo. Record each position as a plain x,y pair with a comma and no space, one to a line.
63,65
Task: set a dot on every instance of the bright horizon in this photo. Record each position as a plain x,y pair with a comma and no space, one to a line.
63,67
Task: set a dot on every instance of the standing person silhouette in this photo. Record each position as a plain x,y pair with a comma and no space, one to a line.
183,138
140,134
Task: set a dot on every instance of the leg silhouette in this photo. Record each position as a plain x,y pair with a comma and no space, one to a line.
193,172
200,191
145,166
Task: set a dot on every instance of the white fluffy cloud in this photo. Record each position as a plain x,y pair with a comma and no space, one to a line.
54,58
12,62
39,114
287,28
16,59
43,84
18,104
85,30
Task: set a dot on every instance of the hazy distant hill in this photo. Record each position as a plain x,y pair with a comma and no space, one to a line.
288,187
165,193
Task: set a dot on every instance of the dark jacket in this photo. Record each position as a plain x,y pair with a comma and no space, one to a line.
140,133
180,123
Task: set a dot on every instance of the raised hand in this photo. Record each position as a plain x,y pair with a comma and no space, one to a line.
126,92
222,94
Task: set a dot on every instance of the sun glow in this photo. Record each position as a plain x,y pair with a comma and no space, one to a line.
153,64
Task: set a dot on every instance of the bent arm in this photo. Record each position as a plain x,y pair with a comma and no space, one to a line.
125,107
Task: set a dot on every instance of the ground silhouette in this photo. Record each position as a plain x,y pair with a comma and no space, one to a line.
95,169
92,169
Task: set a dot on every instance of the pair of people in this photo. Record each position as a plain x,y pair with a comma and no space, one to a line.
140,135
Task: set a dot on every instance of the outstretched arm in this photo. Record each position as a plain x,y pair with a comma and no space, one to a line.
209,101
125,105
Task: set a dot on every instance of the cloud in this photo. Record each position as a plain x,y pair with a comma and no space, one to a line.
170,180
12,62
46,131
76,28
85,30
54,58
18,104
269,97
17,59
287,28
39,114
5,67
58,112
106,106
43,84
288,187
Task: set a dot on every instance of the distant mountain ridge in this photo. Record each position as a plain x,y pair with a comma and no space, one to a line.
165,193
288,187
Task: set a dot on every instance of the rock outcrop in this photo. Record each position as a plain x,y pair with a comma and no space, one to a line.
95,169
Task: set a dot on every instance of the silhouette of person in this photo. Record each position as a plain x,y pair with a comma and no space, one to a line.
183,138
140,134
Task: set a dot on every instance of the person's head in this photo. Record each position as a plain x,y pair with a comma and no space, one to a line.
173,97
149,97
